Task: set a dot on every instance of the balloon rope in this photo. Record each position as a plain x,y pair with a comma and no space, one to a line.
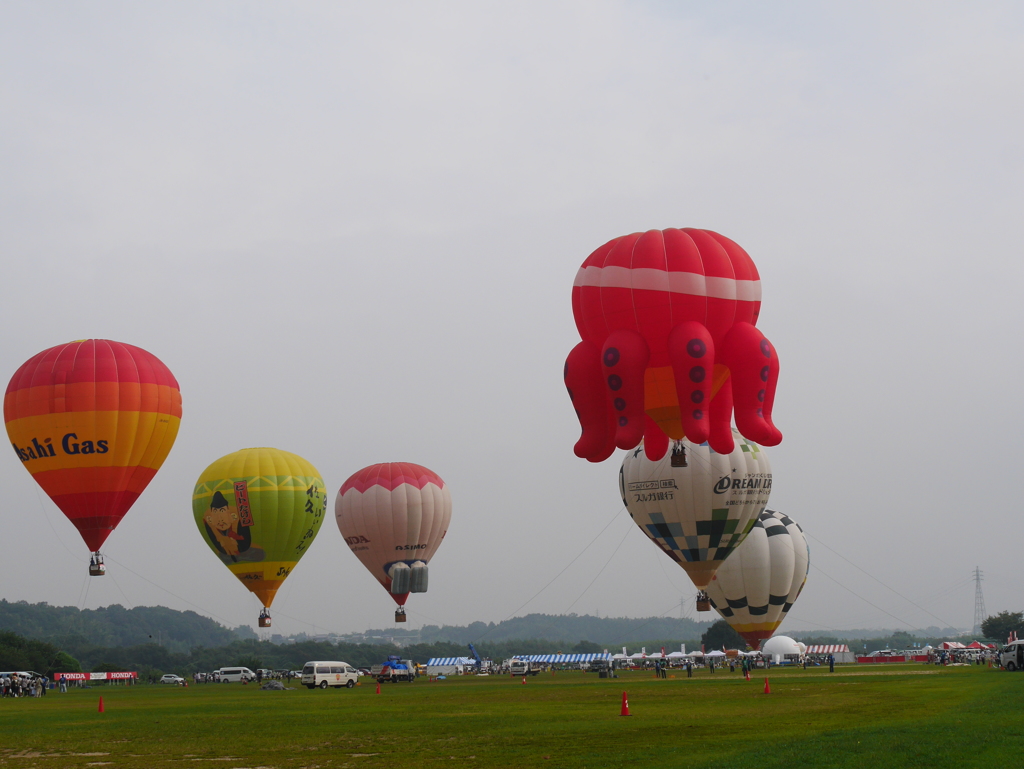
551,581
46,515
865,600
626,534
634,628
83,595
852,592
876,579
223,621
130,606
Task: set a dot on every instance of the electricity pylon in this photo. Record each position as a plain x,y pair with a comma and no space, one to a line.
979,602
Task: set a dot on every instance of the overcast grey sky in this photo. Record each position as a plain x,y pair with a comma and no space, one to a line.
351,231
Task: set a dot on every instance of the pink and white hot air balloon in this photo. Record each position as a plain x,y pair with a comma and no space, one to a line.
393,516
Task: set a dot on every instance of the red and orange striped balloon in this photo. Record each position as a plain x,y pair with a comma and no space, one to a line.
92,421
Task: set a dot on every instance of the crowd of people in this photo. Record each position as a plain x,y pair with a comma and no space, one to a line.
19,685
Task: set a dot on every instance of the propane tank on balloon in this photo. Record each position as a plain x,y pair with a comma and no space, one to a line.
393,517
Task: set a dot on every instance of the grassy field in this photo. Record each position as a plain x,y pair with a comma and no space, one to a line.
860,716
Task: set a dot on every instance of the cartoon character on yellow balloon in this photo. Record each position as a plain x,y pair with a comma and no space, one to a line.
259,510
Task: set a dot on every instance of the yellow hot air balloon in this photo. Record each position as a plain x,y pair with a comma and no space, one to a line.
259,510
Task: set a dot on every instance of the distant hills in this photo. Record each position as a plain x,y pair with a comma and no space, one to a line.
116,626
181,631
558,628
113,626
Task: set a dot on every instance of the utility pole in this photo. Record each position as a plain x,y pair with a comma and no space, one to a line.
980,614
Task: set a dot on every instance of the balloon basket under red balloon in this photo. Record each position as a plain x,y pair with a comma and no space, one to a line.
96,566
400,615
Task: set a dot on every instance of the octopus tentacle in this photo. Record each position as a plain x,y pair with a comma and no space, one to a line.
692,354
585,382
655,441
754,369
624,359
720,436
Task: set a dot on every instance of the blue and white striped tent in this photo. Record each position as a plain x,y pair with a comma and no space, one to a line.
565,659
449,666
447,661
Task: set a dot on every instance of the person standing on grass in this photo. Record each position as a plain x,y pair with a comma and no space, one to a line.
831,663
689,668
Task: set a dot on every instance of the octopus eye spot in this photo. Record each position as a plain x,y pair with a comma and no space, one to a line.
697,374
698,414
696,348
766,349
760,412
571,396
697,396
623,421
611,356
760,395
764,374
614,381
620,404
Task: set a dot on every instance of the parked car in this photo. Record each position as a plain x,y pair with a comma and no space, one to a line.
172,679
328,673
1011,656
229,675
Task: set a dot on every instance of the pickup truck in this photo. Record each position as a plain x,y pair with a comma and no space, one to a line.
519,667
394,670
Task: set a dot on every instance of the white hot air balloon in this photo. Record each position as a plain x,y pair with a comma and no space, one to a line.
695,504
756,587
393,516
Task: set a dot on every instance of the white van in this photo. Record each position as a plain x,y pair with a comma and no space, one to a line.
234,675
329,673
1011,656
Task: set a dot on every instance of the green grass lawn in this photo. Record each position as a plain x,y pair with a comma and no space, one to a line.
861,716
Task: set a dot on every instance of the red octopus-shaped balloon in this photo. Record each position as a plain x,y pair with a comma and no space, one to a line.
670,347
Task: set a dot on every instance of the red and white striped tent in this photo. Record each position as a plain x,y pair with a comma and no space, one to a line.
841,652
951,645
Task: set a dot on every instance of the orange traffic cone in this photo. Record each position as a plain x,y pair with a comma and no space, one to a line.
378,687
524,679
625,705
767,688
101,705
